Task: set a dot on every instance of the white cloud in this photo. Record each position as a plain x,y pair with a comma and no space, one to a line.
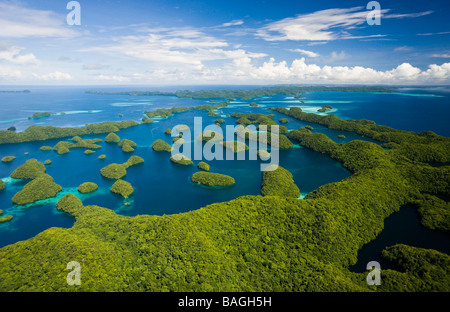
437,33
115,78
316,26
324,25
12,54
20,22
306,52
403,48
300,72
184,47
244,70
407,15
95,66
335,56
10,74
233,23
69,59
53,76
443,55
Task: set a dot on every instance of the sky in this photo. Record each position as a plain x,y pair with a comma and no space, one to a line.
224,42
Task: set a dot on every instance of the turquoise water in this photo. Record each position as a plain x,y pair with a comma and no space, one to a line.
162,187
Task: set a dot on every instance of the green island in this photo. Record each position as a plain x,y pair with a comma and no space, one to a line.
278,182
41,133
203,166
8,159
294,245
178,141
15,91
87,187
45,148
256,119
161,146
283,130
42,187
212,179
122,188
2,186
235,146
40,115
324,108
263,154
168,131
89,152
146,120
76,139
63,147
219,121
165,112
181,159
30,170
244,121
112,138
246,133
281,140
6,219
253,104
102,156
113,171
209,135
127,148
47,162
283,120
213,114
127,145
117,171
341,136
181,128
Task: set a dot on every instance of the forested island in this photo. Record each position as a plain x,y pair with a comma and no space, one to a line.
212,179
40,115
274,242
248,94
166,112
118,171
14,91
40,187
41,133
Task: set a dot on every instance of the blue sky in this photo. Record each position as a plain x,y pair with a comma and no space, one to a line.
224,42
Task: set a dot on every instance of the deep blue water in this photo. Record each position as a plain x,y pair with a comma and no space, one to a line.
402,227
160,186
